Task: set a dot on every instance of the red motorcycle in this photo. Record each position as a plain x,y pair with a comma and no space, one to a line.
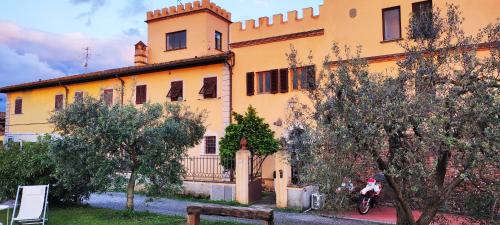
368,196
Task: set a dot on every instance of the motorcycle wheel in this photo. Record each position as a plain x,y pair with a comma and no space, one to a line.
364,205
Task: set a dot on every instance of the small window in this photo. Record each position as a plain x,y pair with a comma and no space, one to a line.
59,102
140,94
391,18
304,78
218,40
108,97
210,145
422,19
209,89
176,40
18,108
78,96
175,92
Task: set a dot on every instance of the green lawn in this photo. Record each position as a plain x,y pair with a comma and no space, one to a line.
92,216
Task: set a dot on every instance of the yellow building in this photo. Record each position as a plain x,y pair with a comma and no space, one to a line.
196,55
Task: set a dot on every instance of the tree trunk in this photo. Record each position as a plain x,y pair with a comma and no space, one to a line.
131,189
402,217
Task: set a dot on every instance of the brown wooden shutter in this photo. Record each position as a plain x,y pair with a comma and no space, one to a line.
108,97
175,91
140,94
59,102
78,96
284,80
250,84
211,87
18,109
274,81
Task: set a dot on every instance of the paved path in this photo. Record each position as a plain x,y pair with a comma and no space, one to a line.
178,208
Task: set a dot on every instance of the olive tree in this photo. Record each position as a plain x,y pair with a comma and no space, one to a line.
99,144
431,126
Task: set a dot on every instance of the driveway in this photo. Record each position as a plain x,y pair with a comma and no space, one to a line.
165,206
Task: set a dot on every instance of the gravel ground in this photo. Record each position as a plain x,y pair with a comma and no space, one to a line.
178,207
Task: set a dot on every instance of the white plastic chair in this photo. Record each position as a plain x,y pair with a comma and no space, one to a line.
33,206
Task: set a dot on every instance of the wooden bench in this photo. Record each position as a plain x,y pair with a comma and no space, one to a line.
194,212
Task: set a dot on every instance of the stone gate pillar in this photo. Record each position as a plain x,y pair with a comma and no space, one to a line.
283,178
243,173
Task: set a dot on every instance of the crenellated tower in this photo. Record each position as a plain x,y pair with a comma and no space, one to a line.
187,31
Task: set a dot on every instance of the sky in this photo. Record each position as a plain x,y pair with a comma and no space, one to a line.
47,39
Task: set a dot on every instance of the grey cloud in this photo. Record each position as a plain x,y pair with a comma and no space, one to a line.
46,55
95,5
133,8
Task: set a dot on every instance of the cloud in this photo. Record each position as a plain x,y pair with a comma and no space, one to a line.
23,67
132,32
63,52
95,5
134,8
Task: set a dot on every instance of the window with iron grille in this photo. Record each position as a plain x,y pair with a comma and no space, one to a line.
108,97
78,96
422,19
59,102
210,145
18,108
176,40
218,40
391,23
175,92
140,94
209,89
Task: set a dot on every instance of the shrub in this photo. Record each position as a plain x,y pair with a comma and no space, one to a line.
30,163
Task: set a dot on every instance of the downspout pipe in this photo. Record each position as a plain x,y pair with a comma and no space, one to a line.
231,62
122,90
66,95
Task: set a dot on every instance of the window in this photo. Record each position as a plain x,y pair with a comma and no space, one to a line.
18,108
176,40
59,102
264,81
391,20
421,26
209,89
210,145
140,94
304,78
108,97
218,40
78,96
175,93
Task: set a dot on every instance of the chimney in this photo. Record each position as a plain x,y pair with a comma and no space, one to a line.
140,58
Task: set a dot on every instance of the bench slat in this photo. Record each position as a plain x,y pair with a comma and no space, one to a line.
239,212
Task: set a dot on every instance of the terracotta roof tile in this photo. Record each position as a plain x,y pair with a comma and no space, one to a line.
120,72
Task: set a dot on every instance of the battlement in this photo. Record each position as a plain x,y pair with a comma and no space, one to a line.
263,27
188,8
278,19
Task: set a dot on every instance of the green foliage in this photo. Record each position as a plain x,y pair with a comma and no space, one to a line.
101,144
479,205
30,163
430,126
261,141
